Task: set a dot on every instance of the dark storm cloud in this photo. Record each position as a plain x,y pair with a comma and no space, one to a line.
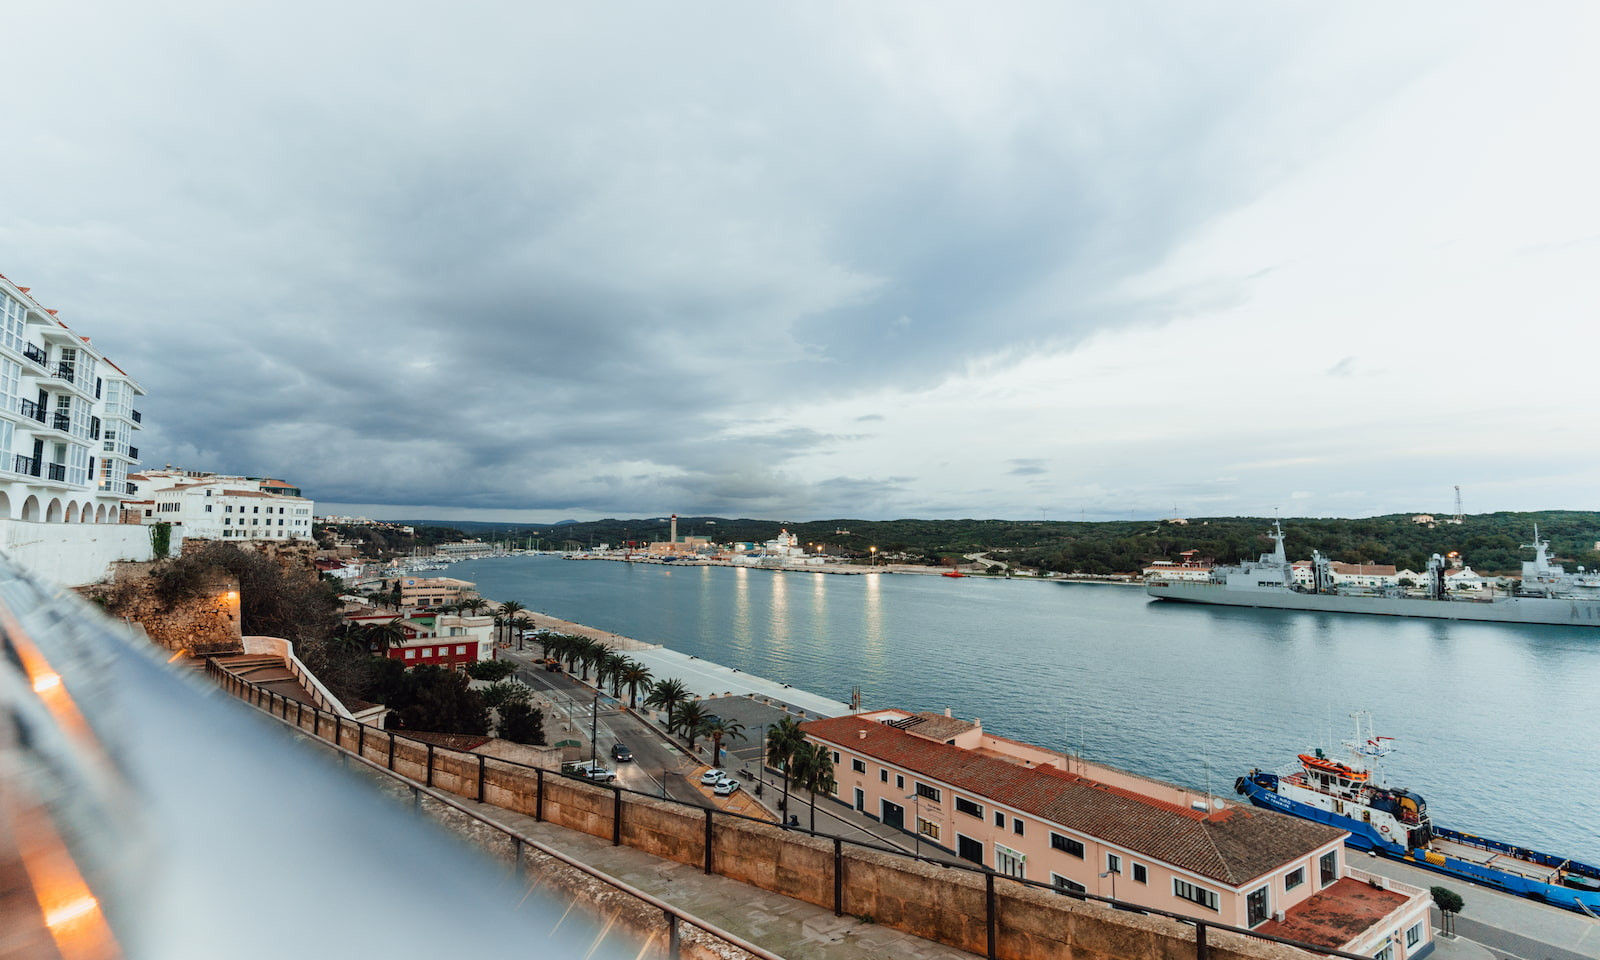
1027,467
535,261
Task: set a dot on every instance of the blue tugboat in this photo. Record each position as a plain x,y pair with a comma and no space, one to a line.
1395,823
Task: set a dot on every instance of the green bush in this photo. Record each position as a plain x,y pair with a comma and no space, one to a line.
521,723
491,670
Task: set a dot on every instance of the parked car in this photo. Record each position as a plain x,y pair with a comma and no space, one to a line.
725,787
621,753
711,777
596,773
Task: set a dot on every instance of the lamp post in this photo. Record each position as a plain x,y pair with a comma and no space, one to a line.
1113,875
916,817
874,558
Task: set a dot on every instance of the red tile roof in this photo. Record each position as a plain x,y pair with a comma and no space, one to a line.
1233,845
1335,915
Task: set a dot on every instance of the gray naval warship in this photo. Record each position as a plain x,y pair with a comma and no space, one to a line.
1547,593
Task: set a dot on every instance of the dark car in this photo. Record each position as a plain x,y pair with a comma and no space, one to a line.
621,753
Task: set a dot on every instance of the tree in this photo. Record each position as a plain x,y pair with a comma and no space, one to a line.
522,625
782,739
667,694
491,670
813,769
689,718
721,729
612,665
497,695
508,616
634,676
593,653
438,700
388,635
521,723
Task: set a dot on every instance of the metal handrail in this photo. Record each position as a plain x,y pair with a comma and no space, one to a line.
673,914
1202,926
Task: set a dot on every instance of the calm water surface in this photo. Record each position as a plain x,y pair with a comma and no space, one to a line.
1496,725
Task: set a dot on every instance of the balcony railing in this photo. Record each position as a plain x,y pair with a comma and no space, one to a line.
66,370
58,471
36,354
131,489
133,452
27,465
32,410
138,417
62,421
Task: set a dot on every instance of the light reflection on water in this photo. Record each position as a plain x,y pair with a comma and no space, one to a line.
1494,722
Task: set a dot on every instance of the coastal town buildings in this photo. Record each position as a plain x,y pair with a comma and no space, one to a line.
1189,566
434,591
1034,814
67,424
211,506
446,640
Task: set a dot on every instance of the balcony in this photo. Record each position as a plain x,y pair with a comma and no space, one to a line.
32,410
133,452
58,471
36,354
62,421
66,370
27,465
131,489
138,417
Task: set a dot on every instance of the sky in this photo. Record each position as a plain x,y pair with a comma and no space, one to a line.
532,262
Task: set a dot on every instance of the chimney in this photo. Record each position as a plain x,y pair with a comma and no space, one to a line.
861,734
674,537
947,711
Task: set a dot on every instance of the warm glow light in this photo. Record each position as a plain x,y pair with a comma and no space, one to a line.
233,595
46,681
68,912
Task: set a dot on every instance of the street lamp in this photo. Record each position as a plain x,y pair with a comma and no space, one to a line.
874,558
916,817
1113,875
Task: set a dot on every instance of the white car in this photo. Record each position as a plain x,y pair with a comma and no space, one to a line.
597,773
712,777
725,787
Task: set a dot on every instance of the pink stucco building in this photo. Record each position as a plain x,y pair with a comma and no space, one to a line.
1039,815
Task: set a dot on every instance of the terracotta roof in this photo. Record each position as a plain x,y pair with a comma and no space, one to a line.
934,726
1233,845
1335,915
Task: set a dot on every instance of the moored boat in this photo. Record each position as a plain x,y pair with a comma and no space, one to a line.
1395,823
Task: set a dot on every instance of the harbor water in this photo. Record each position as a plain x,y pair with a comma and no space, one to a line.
1495,725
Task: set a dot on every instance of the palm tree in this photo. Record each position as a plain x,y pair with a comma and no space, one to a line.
667,694
782,739
521,624
690,717
508,613
613,664
634,676
813,769
717,731
472,606
351,640
387,635
594,654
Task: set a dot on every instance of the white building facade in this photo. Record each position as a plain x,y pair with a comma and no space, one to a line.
212,507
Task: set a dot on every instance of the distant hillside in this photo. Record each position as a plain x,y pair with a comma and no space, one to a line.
1489,542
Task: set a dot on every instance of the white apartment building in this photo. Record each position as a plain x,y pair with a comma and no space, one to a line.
66,419
213,507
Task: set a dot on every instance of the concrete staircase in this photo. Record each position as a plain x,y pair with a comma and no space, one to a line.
268,671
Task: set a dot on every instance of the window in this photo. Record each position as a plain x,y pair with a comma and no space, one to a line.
999,819
1255,907
1140,874
1294,878
1387,953
1330,867
460,651
969,849
1184,890
1009,861
225,520
411,654
1113,863
963,805
835,758
899,782
228,508
883,776
208,508
928,828
1065,886
1414,935
1066,845
1016,826
859,766
928,793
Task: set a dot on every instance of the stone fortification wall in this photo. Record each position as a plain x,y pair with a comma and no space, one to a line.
206,622
949,906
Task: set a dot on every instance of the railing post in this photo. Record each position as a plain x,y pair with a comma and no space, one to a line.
1200,951
838,877
480,777
518,842
299,714
616,816
338,730
538,801
361,742
674,937
391,750
988,896
430,764
708,841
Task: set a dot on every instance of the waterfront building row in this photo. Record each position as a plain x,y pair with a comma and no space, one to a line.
209,506
1038,815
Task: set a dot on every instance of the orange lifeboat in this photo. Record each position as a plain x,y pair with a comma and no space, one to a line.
1332,768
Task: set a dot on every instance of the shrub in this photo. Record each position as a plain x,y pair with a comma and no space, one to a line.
491,670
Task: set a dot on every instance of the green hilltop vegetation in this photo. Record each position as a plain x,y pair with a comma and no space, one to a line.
1490,543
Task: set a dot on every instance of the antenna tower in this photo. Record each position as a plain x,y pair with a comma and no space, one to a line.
1458,503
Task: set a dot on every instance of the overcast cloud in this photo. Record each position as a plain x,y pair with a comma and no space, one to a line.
540,261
